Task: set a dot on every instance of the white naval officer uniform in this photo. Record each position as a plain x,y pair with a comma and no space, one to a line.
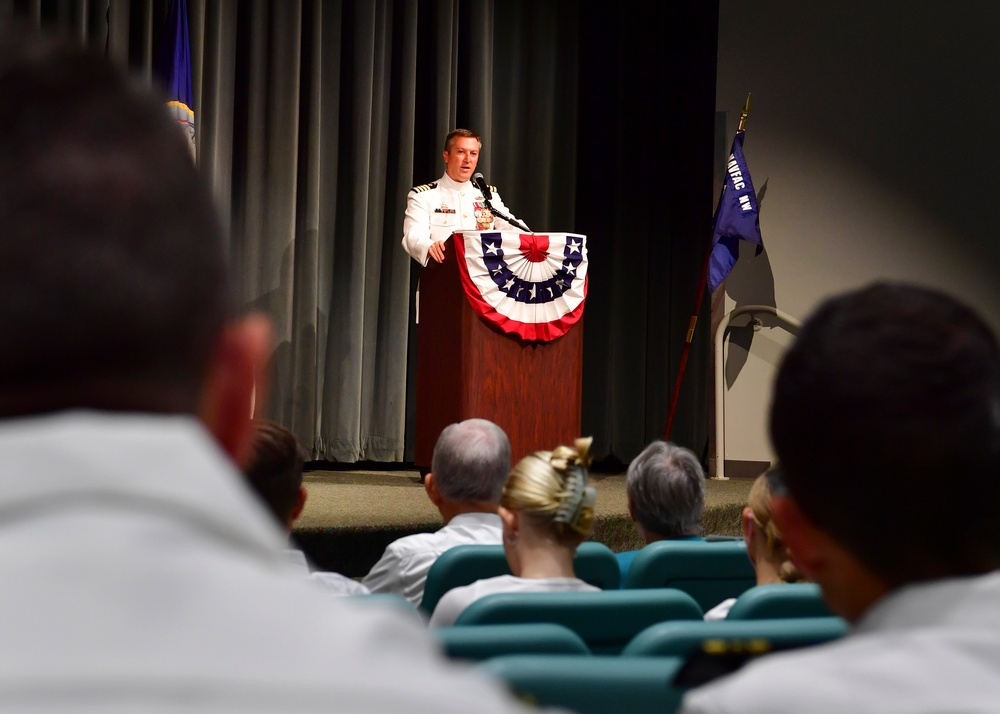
141,575
435,210
925,647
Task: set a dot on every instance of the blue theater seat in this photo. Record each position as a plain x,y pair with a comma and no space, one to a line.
595,563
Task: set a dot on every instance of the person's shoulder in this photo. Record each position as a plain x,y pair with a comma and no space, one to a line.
424,187
773,684
338,584
822,678
415,542
720,611
377,644
485,586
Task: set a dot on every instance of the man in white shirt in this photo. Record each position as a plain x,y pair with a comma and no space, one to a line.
139,574
886,424
435,210
469,467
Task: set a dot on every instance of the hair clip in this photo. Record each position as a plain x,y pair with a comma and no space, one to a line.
578,495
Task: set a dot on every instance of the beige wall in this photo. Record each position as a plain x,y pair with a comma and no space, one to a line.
872,139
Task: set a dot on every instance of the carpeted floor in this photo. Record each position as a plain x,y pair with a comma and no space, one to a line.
351,515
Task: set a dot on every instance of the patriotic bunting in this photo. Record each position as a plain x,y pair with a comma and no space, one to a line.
527,284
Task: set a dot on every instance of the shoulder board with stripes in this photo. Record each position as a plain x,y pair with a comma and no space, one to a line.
425,187
493,189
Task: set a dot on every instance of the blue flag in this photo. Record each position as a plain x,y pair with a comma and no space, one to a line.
175,68
737,217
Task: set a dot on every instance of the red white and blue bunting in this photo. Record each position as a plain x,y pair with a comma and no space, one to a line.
530,285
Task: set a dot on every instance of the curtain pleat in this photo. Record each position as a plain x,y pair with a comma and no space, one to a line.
214,83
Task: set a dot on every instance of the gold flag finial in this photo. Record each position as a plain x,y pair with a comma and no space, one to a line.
744,113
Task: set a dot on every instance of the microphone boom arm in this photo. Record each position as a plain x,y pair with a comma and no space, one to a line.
501,215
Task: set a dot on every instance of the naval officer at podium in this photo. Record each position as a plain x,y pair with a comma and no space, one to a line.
435,210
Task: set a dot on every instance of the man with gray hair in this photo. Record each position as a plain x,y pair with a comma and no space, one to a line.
665,486
469,467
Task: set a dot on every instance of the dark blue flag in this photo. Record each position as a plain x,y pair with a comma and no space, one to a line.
175,67
736,217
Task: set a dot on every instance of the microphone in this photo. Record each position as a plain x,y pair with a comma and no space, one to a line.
479,182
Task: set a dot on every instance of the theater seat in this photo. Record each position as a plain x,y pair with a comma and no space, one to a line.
708,571
682,639
605,620
595,563
592,685
766,602
479,642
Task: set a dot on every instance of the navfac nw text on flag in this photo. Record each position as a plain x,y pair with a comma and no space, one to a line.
737,217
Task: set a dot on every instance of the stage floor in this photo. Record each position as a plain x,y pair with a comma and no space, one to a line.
351,515
364,499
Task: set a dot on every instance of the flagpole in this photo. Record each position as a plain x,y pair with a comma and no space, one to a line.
686,351
744,113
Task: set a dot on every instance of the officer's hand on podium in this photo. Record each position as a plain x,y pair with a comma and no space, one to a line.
436,251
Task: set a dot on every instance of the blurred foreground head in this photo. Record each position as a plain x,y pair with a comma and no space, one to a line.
112,276
886,422
114,291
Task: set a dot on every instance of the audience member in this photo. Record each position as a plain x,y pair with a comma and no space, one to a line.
665,486
139,573
886,423
765,546
274,473
468,469
547,510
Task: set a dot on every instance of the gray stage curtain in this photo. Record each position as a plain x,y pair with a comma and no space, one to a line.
321,156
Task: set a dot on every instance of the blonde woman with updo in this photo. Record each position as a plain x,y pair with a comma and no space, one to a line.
765,546
547,510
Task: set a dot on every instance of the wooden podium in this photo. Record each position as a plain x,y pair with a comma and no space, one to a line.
467,367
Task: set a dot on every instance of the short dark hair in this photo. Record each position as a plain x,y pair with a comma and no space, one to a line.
274,470
113,281
886,419
460,134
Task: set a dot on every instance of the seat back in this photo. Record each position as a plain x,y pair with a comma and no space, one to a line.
479,642
768,602
592,685
709,572
606,620
682,639
594,563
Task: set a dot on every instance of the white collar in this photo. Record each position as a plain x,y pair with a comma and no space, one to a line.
486,519
448,182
